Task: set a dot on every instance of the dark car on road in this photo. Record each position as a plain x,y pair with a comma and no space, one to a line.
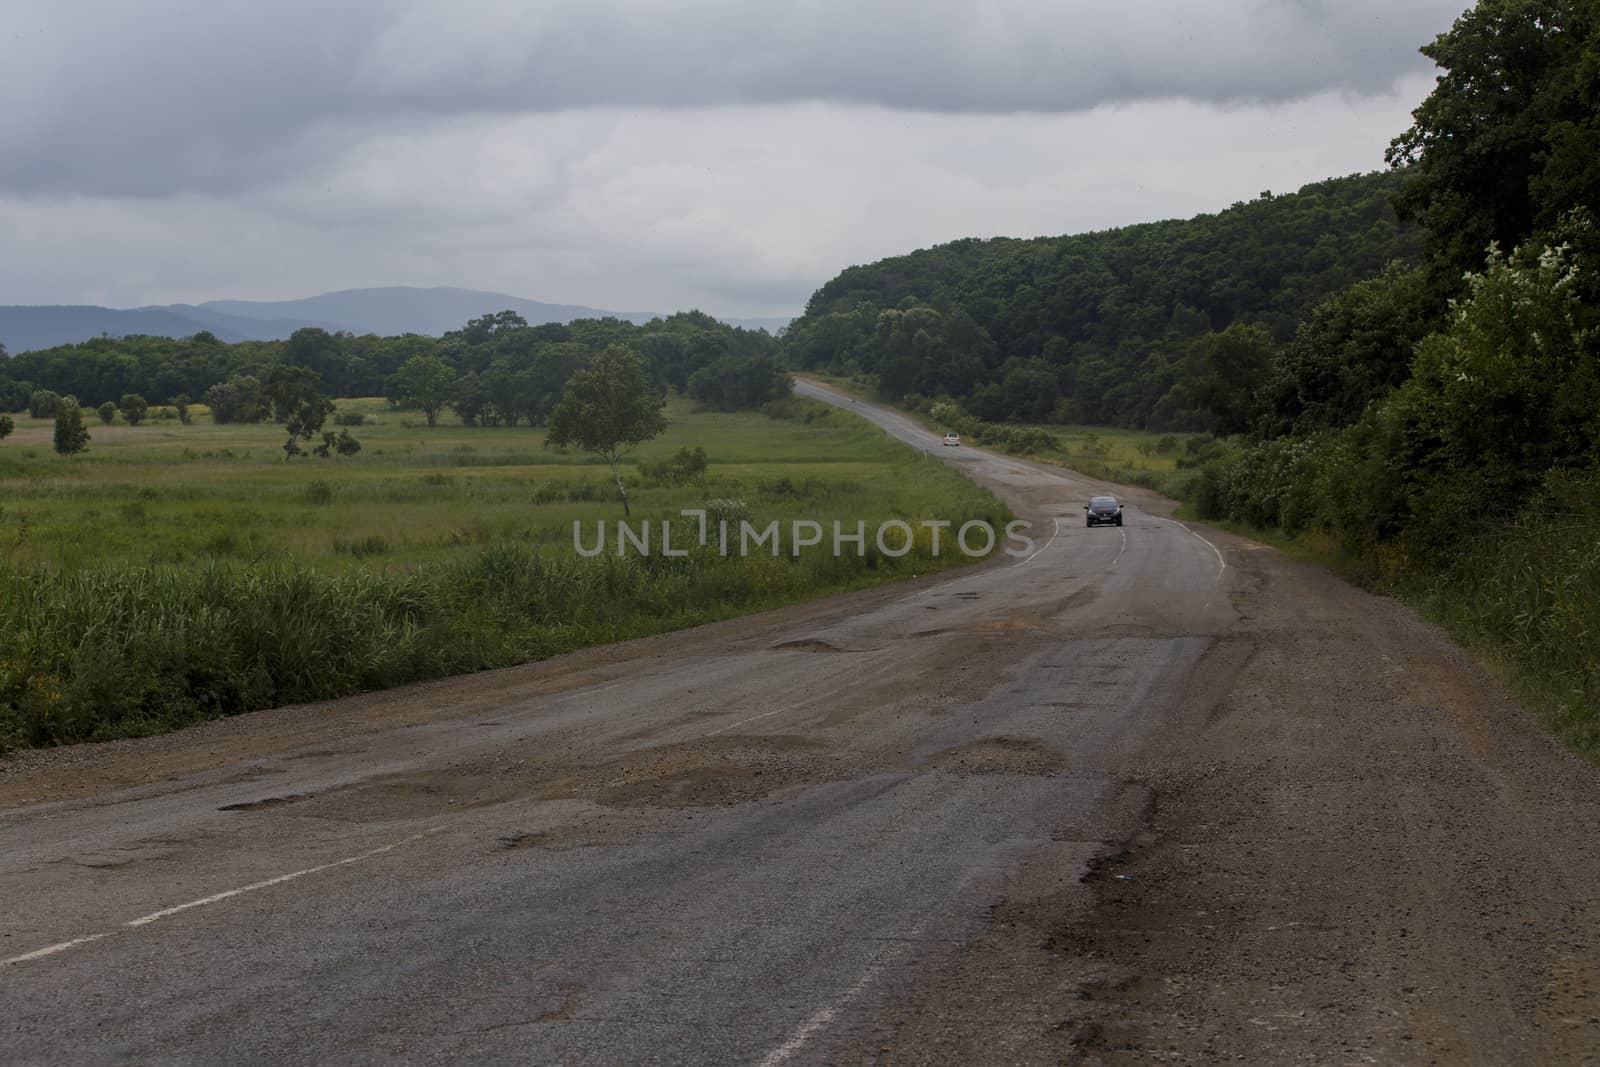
1103,511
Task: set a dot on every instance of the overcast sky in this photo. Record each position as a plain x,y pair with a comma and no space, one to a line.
650,154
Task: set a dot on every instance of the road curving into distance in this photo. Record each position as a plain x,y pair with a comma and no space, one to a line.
1149,791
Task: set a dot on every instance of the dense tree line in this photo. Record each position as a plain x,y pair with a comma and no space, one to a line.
495,370
1140,326
1414,406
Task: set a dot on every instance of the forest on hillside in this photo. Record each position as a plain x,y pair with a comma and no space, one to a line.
1148,326
1405,365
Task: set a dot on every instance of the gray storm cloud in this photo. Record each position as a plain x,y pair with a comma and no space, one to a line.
222,96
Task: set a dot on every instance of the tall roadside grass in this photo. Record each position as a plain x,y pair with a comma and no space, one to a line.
1526,596
123,651
166,596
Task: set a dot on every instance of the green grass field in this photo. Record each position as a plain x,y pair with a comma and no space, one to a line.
163,493
177,573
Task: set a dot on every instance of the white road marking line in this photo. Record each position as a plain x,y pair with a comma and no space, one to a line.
741,722
1121,550
145,920
797,1040
1221,562
51,950
1047,544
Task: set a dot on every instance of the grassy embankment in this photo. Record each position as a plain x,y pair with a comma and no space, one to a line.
177,573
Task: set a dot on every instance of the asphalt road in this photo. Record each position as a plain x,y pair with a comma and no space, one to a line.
1145,792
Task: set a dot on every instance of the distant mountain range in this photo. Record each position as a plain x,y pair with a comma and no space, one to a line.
387,311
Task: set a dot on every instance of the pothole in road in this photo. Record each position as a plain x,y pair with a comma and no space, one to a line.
808,644
266,802
721,771
1000,755
717,773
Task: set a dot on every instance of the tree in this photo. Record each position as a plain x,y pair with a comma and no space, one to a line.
6,426
72,436
1509,138
607,409
1233,365
732,383
180,403
238,399
1354,348
468,398
323,353
133,408
425,382
42,404
107,412
295,394
14,395
1510,389
481,329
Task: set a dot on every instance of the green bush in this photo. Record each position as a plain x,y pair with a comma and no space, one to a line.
133,408
688,465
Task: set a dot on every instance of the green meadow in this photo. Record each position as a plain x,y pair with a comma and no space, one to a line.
167,494
174,573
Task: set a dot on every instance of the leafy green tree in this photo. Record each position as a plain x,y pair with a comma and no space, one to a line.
481,329
425,382
468,398
1510,136
71,436
295,394
133,408
1234,363
325,354
1355,347
43,403
608,409
509,390
180,404
239,399
14,394
553,365
6,426
734,382
1511,390
107,412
